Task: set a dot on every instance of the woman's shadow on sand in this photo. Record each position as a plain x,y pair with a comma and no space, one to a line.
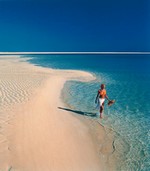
79,112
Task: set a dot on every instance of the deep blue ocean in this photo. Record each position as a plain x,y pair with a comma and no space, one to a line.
127,80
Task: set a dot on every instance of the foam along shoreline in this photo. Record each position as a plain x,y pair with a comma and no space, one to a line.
34,133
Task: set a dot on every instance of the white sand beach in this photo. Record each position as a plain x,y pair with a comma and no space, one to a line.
35,135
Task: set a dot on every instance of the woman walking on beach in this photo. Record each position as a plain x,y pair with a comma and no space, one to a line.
101,96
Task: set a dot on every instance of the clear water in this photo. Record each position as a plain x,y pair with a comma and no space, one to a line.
127,79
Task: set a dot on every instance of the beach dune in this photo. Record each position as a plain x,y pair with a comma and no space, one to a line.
35,134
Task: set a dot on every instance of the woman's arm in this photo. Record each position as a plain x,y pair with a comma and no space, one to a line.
107,98
97,97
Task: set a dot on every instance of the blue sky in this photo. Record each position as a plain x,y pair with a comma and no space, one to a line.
93,25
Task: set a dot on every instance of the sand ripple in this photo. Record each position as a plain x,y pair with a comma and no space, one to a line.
17,82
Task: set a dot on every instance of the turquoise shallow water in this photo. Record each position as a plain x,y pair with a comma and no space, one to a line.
127,79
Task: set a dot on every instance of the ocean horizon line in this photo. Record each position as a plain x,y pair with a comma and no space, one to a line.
74,53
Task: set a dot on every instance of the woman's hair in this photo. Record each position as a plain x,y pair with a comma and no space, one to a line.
102,85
